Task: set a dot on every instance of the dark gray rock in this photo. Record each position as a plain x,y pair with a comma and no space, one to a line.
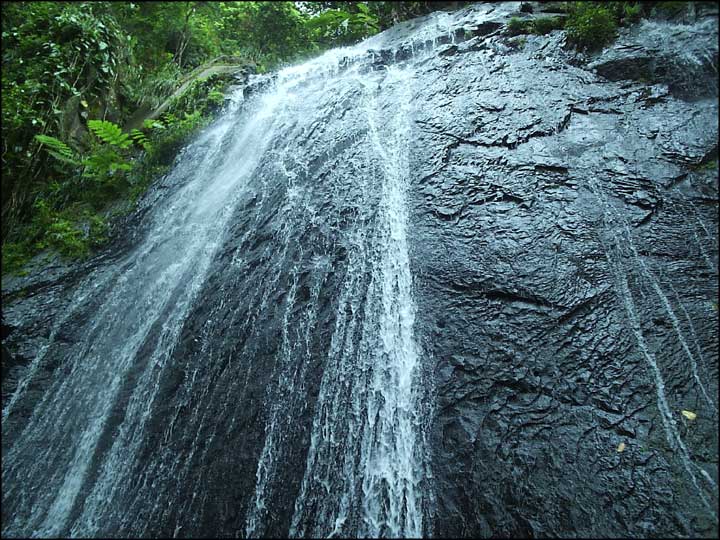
684,59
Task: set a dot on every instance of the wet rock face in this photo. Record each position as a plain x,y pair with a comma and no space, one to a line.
684,58
540,188
563,245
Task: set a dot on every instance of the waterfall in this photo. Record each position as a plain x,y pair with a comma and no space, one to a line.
118,364
368,412
80,464
407,288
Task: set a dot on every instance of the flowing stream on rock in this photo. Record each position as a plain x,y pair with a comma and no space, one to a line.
65,473
375,415
155,287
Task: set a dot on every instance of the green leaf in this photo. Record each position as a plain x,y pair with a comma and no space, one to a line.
153,124
62,158
140,138
57,149
109,133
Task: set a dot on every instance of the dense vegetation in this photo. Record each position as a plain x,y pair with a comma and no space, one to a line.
590,26
74,73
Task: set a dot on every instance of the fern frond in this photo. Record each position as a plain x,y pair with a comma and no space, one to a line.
61,157
140,138
137,135
109,133
153,124
55,144
57,149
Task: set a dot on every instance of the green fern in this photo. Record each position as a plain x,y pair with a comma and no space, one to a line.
57,149
103,163
140,138
153,124
109,133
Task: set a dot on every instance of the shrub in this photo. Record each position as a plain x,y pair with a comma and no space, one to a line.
557,7
590,26
72,232
66,238
626,13
631,13
517,26
517,43
15,255
545,25
670,9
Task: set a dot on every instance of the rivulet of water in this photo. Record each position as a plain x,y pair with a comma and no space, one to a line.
367,414
619,249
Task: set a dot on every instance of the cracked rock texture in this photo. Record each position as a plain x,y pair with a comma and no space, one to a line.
563,243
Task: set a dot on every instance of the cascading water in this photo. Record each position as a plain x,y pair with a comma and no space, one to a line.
365,471
118,364
372,424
